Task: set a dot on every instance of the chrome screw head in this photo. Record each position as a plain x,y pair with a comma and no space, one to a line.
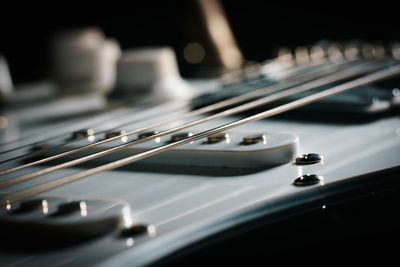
307,179
309,158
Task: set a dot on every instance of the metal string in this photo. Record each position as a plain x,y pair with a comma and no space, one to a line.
291,81
348,73
363,81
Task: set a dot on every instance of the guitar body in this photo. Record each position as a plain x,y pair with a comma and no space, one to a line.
192,210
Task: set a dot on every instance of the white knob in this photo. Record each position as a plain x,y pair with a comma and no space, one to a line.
6,85
151,70
84,61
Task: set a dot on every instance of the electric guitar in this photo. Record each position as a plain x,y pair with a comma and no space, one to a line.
266,165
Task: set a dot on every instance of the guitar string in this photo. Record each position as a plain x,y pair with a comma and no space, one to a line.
209,108
285,65
67,141
297,79
348,73
296,71
114,106
295,74
324,68
363,81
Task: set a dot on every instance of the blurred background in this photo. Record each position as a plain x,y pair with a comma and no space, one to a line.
260,27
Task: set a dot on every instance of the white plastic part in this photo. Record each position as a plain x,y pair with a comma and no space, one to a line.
95,218
84,61
151,70
278,148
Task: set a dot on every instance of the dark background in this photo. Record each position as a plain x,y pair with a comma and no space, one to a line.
259,26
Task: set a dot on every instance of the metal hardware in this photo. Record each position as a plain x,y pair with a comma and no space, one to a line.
72,207
147,134
216,138
180,136
309,158
138,229
34,204
307,179
117,133
114,134
82,133
254,139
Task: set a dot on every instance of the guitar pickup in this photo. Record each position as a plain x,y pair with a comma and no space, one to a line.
226,150
60,220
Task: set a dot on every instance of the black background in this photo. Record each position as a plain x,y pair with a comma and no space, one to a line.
259,26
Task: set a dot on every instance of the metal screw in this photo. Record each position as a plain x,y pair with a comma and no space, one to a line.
309,158
307,179
254,139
